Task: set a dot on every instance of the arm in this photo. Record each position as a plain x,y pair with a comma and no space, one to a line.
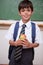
30,45
15,43
33,45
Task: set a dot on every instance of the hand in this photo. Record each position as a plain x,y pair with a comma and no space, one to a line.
18,42
26,43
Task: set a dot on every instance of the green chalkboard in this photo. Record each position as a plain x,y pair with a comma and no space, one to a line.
9,9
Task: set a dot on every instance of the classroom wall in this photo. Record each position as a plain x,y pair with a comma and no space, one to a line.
4,48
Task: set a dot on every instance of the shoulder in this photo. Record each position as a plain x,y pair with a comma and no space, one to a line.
36,26
12,26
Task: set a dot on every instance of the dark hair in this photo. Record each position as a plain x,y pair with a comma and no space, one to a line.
25,4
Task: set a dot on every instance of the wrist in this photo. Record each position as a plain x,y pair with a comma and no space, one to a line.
15,43
30,45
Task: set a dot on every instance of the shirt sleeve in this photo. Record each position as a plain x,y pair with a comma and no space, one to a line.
38,35
9,34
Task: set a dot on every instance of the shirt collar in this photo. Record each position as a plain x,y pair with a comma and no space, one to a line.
20,23
27,24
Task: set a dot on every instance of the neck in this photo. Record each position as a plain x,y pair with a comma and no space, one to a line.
25,21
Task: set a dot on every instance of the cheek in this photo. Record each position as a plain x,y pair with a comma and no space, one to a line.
21,13
29,13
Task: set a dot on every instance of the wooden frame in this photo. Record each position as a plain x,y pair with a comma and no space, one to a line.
6,23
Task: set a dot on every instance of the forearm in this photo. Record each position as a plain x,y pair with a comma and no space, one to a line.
15,43
29,44
33,45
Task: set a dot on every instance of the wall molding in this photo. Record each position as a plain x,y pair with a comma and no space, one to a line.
7,23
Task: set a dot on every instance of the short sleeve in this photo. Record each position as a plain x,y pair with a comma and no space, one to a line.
9,34
38,35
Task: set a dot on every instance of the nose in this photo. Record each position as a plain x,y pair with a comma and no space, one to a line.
26,12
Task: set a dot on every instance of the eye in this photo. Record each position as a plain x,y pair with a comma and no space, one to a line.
22,10
28,9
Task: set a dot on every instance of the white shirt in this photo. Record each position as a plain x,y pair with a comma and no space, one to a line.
28,32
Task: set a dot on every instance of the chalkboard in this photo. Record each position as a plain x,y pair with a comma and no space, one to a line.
9,10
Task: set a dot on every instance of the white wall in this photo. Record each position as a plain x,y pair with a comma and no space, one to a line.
4,49
38,60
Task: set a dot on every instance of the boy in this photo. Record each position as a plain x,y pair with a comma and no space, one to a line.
25,9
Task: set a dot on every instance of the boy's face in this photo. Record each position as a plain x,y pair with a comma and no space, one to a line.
25,14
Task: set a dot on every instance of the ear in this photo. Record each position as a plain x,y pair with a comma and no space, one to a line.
19,13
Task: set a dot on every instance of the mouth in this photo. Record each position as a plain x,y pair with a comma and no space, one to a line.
25,16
